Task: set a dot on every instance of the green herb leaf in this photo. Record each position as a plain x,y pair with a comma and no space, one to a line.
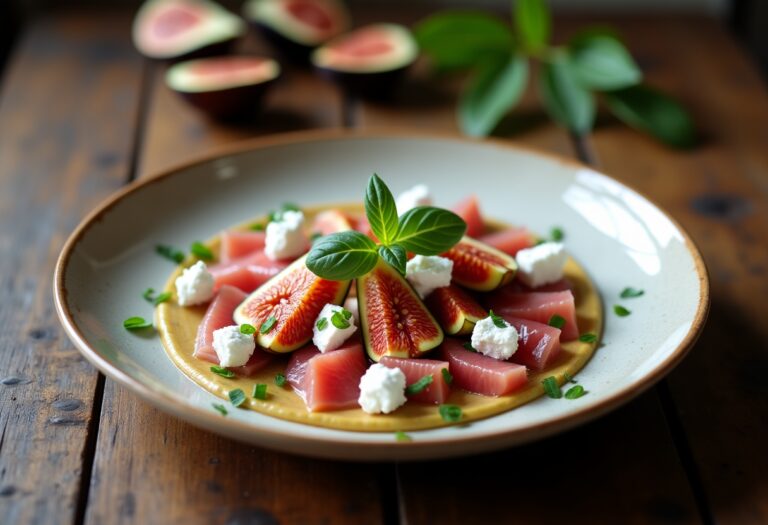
280,380
260,391
469,347
498,321
565,99
170,253
557,234
557,321
342,256
588,338
223,372
201,251
337,319
381,210
568,377
495,89
450,413
447,375
533,23
267,325
602,62
220,408
426,230
136,323
459,39
575,392
551,388
237,397
651,111
277,216
322,323
395,256
149,295
402,436
258,227
620,310
161,298
346,313
630,293
419,385
247,329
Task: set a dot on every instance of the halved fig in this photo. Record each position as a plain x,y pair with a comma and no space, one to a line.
296,27
369,61
181,29
284,309
478,266
331,221
455,310
229,87
394,320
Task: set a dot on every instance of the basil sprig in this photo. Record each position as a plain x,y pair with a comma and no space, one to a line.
424,230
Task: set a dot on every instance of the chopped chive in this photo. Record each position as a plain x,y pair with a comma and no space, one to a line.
268,324
568,377
450,413
402,436
260,391
247,329
497,320
447,375
223,372
551,388
588,338
419,385
289,206
556,234
469,346
220,408
237,397
629,293
620,310
575,392
201,251
258,227
337,319
279,380
163,297
149,295
557,321
136,323
346,313
322,323
170,253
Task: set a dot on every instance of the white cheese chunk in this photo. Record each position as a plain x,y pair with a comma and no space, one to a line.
542,264
417,196
194,285
382,389
353,306
233,347
326,335
428,272
490,340
286,238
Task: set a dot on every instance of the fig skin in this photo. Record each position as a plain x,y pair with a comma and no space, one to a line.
234,104
289,50
224,47
379,86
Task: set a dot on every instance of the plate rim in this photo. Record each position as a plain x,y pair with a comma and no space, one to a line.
235,428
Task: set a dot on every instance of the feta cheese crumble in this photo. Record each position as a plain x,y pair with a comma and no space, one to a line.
382,389
428,272
542,264
327,335
353,306
233,347
416,196
194,285
286,237
490,340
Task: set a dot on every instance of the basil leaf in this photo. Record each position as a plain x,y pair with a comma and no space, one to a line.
395,256
426,230
648,110
495,90
381,210
533,23
342,256
602,62
458,39
565,99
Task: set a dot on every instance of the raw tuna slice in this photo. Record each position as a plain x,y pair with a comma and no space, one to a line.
469,210
235,244
247,273
538,345
218,315
537,306
557,286
415,369
510,241
258,360
331,221
482,374
329,381
362,225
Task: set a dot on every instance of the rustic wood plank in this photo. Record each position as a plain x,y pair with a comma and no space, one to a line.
67,103
719,191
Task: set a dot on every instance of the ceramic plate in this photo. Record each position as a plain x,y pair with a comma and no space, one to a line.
620,237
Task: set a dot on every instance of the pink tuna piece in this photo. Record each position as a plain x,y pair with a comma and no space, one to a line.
510,241
557,286
414,369
237,244
538,345
537,306
247,273
218,315
257,361
482,374
469,210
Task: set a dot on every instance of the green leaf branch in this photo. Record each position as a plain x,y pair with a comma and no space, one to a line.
593,65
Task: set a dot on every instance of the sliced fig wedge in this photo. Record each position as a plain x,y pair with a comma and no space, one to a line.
394,320
284,309
478,266
455,310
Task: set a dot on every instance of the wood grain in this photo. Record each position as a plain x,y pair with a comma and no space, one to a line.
60,153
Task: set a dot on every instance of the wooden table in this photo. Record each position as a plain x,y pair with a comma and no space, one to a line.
81,114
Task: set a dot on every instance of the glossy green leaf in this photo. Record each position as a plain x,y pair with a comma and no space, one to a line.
426,230
342,256
602,62
395,256
381,210
566,100
532,22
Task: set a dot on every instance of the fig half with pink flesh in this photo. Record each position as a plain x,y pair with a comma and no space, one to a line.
480,267
455,310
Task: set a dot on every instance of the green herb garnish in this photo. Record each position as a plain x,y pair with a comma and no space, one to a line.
469,347
136,323
450,413
322,323
447,375
267,325
402,436
419,385
551,388
237,397
337,319
277,216
201,251
258,227
247,329
498,321
170,253
568,377
280,380
346,313
149,296
620,310
220,408
557,321
629,293
223,372
588,338
260,391
556,234
575,392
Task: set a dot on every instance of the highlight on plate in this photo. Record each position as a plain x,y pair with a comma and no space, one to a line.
391,316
